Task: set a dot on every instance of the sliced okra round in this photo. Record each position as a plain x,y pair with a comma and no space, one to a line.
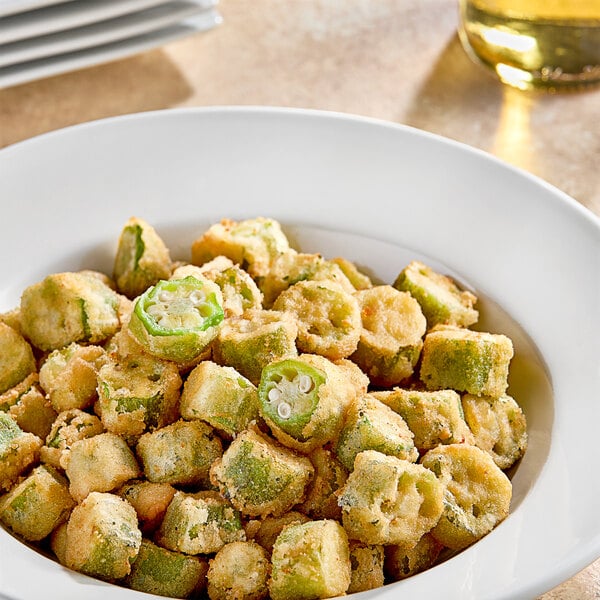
303,400
177,319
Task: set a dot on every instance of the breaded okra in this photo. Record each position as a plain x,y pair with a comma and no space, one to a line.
260,476
240,571
367,567
150,501
252,341
27,404
69,376
141,260
199,523
69,307
181,453
467,361
477,493
402,561
16,358
304,400
36,505
177,319
371,425
18,450
328,317
102,537
442,301
499,427
69,427
434,417
390,343
163,572
99,464
387,500
220,396
268,528
310,560
252,244
138,395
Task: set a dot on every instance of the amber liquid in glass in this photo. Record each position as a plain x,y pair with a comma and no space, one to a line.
535,43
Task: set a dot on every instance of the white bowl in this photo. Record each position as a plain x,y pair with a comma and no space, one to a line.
379,194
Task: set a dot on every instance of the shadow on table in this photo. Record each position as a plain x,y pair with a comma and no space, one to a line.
147,81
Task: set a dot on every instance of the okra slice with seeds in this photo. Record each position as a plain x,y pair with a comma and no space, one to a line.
467,361
38,504
69,307
402,561
371,425
259,476
16,358
304,399
442,301
102,537
367,566
135,396
310,560
477,493
390,343
141,260
387,500
199,523
220,396
328,318
177,319
258,337
163,572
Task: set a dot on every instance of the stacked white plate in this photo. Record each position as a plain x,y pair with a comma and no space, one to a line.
39,38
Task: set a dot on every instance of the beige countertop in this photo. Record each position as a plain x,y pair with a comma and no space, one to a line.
398,61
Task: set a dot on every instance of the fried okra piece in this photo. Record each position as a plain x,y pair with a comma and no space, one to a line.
358,279
391,338
252,341
402,562
99,464
328,317
367,567
150,501
38,504
291,267
330,475
102,537
371,425
58,542
310,560
220,396
252,244
177,319
260,476
200,523
70,376
141,260
28,406
239,570
69,427
181,453
303,400
387,500
434,417
477,493
135,396
18,450
69,307
240,292
467,361
16,358
499,427
442,301
269,528
163,572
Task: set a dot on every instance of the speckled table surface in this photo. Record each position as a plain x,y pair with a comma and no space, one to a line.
398,61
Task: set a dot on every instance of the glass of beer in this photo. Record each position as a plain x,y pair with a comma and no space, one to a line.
534,43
